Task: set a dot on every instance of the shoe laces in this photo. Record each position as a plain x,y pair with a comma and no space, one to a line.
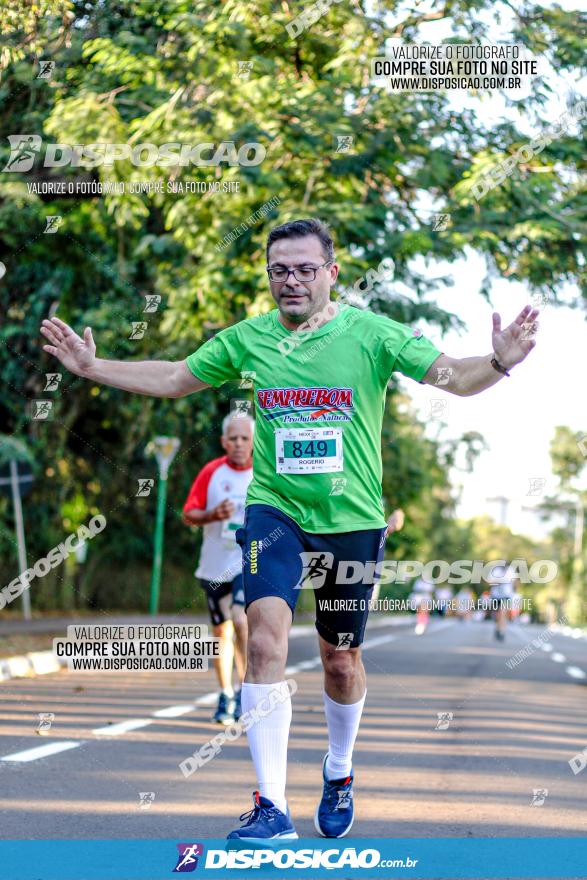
332,795
257,812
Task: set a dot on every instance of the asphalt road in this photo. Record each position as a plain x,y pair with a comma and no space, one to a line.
513,731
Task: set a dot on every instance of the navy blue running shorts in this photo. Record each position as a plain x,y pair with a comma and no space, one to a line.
216,593
277,552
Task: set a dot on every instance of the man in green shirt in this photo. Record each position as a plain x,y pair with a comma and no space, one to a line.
314,509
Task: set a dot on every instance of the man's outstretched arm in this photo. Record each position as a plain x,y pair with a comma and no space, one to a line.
152,378
468,376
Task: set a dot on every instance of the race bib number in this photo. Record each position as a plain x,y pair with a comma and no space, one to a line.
308,450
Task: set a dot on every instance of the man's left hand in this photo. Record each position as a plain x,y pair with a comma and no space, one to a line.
514,343
395,522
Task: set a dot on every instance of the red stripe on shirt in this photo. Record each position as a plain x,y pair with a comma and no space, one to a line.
198,495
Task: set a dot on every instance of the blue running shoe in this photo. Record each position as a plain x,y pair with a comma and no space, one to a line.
265,822
237,706
335,813
225,711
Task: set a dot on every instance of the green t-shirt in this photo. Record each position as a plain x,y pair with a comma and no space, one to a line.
329,387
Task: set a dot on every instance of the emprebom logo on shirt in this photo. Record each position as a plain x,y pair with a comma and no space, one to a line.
306,404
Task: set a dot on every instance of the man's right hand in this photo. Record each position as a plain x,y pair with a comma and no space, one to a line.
152,378
224,510
76,354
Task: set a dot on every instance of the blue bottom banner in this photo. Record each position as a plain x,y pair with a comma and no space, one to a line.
507,858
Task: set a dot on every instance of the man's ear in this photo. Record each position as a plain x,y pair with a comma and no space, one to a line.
223,442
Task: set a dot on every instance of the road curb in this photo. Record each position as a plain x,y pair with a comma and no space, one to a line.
29,665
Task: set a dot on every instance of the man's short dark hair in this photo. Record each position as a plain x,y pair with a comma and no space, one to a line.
301,228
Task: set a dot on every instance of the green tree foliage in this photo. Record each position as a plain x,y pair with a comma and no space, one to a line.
568,452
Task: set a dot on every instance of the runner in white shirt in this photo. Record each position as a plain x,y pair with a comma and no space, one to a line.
216,501
465,603
443,596
502,591
422,596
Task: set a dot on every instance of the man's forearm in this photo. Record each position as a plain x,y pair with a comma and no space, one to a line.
198,517
153,378
467,376
475,374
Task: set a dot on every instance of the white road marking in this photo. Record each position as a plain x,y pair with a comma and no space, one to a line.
557,657
173,711
316,661
575,672
207,699
210,698
305,664
122,727
113,729
297,631
41,751
436,627
391,621
184,709
380,640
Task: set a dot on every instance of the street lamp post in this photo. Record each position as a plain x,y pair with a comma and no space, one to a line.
576,597
16,478
15,487
503,506
164,449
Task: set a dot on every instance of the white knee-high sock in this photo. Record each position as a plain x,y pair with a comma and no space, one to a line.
343,721
268,737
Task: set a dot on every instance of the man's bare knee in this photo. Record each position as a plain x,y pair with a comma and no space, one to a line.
342,667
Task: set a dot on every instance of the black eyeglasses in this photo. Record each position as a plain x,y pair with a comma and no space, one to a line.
305,273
